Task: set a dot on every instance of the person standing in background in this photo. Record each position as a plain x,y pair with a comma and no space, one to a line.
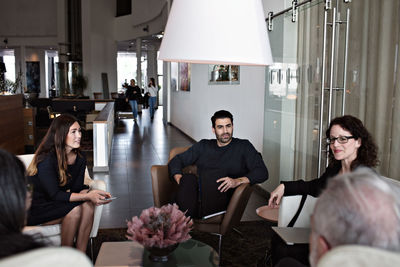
133,95
152,91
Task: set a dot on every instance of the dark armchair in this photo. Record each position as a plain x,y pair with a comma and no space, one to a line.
164,188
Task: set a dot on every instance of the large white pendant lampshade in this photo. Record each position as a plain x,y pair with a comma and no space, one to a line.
231,32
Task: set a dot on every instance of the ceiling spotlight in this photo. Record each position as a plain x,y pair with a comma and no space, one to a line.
146,28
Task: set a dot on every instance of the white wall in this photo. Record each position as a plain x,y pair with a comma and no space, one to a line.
27,18
30,27
99,49
191,111
144,12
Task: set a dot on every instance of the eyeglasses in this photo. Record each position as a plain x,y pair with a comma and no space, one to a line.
340,139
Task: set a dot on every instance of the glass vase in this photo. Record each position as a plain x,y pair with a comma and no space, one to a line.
160,254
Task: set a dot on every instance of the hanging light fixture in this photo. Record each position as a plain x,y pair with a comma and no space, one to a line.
231,32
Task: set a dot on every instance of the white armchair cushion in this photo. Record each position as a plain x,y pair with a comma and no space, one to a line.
289,206
50,233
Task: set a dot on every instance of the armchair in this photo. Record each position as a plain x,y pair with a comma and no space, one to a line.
164,188
53,232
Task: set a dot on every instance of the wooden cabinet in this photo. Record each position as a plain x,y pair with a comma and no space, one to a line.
11,124
29,126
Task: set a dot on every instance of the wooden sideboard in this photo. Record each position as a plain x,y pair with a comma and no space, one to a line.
12,123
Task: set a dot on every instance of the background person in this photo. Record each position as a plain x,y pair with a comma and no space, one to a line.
222,164
133,95
350,146
152,91
14,203
57,174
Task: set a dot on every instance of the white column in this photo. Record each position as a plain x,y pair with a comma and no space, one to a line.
166,91
152,64
23,65
139,62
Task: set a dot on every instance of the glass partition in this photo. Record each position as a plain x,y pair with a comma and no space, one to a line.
356,66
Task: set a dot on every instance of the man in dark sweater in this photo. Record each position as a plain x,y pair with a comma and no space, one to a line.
133,95
222,164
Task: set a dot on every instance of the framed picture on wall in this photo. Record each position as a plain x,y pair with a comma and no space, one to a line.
174,76
33,76
184,76
223,74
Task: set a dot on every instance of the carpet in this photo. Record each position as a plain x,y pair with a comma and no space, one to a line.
248,249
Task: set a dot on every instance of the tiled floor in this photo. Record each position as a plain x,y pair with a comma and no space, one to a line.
136,147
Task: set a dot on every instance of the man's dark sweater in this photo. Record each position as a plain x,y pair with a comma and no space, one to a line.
133,93
237,159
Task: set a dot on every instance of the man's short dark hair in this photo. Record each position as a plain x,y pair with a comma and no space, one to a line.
221,114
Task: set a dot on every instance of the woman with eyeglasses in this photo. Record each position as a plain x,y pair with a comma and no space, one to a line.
350,146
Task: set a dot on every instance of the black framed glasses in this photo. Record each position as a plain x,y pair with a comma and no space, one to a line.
340,139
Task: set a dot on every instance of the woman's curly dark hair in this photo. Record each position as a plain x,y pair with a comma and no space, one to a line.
366,153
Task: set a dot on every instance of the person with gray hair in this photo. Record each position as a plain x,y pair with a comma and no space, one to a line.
355,208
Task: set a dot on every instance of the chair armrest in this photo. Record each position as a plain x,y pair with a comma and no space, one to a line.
98,185
236,207
98,210
163,187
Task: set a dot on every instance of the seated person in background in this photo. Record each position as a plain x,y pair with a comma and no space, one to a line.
350,146
14,203
57,174
357,208
222,164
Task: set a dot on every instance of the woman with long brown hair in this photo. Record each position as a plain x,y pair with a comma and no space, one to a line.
57,174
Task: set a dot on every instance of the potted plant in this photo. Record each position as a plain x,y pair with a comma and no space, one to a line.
160,230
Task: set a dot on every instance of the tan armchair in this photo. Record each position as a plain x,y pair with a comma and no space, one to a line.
164,188
52,233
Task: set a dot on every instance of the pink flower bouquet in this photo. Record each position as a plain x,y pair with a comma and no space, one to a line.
160,227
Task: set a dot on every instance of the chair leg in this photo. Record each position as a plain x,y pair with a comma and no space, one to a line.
91,249
219,248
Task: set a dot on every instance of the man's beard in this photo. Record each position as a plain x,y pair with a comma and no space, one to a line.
223,139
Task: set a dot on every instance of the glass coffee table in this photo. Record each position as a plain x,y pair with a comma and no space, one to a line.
131,253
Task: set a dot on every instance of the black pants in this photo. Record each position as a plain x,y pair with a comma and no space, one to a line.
205,201
187,197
